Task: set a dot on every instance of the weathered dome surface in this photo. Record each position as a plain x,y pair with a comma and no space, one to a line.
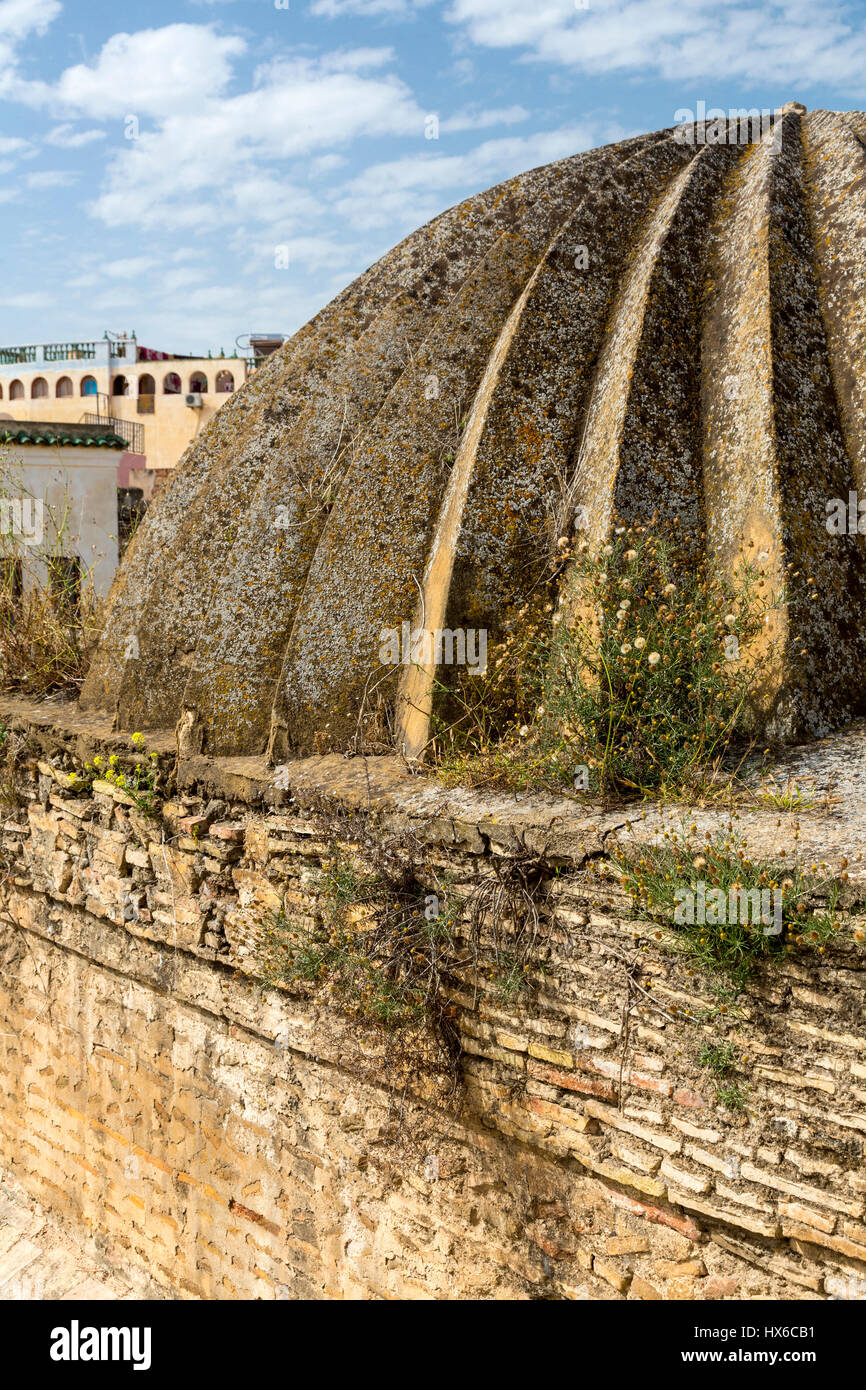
656,326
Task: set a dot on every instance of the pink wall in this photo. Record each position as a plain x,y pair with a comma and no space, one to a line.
128,461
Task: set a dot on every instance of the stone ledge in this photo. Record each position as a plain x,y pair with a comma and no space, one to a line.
567,829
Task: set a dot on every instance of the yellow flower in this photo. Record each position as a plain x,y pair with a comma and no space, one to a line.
138,739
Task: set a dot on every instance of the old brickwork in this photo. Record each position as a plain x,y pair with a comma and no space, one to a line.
234,1140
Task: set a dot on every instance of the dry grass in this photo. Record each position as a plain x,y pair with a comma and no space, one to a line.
43,649
49,616
627,674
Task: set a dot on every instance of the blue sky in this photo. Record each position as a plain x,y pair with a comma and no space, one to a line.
161,162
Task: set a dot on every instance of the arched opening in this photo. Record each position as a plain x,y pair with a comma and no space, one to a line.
1,390
146,395
198,382
39,389
16,391
88,386
64,386
172,385
120,386
225,381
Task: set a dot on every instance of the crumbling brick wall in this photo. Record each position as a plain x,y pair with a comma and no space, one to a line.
238,1141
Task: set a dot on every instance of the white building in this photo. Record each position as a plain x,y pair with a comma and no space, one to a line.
58,503
158,401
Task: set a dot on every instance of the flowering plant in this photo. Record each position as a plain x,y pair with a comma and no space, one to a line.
650,674
634,664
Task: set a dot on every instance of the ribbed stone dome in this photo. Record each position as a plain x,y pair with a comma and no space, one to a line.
665,325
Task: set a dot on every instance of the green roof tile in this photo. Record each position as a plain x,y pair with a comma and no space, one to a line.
89,436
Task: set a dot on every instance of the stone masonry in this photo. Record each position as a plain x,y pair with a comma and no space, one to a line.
236,1141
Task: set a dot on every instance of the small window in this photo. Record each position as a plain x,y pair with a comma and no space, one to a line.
198,382
88,386
16,391
146,385
120,386
64,386
39,389
172,385
225,381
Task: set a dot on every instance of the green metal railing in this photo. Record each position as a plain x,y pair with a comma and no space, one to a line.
129,430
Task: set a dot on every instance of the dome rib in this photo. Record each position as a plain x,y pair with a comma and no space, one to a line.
835,185
601,462
415,696
554,290
774,450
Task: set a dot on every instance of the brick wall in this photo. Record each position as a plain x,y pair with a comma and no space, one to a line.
238,1141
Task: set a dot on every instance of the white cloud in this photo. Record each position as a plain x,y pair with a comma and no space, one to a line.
472,119
51,178
179,279
463,71
366,9
326,251
217,162
325,164
31,299
127,268
13,144
18,20
412,189
262,196
779,41
66,137
150,73
223,162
